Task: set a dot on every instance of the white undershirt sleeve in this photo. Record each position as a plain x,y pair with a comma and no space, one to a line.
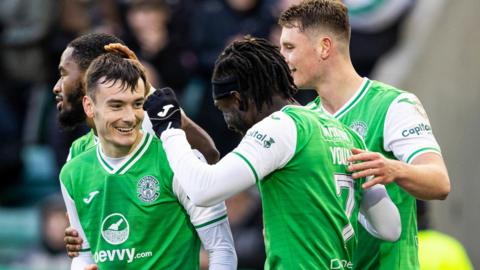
217,240
85,258
212,227
407,130
210,184
379,215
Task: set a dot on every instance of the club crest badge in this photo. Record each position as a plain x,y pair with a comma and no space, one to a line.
360,127
148,189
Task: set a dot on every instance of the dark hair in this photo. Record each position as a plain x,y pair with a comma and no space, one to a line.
111,67
309,14
260,70
90,46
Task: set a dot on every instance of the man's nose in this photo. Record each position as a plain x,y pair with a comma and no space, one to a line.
57,88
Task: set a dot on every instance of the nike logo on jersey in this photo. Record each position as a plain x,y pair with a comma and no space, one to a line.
90,196
165,110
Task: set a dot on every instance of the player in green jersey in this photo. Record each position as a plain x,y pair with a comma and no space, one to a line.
121,195
69,92
296,155
405,155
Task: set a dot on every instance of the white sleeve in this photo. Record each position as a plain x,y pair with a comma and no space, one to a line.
147,124
85,258
212,227
269,144
407,130
379,215
217,240
257,155
69,157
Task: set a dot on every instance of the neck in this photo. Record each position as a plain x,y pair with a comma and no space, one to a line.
338,85
115,151
91,125
277,104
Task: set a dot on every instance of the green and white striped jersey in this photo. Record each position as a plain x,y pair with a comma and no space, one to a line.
131,212
393,123
310,202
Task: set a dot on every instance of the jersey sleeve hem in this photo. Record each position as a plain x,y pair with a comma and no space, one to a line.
249,165
211,222
413,155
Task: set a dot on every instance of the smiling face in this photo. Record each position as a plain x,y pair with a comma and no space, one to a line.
118,114
302,55
69,91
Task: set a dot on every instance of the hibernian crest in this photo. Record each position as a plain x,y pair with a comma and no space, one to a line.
148,189
360,127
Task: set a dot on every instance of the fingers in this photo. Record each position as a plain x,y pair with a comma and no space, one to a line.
363,156
121,49
363,166
357,151
365,173
91,267
72,254
69,231
373,182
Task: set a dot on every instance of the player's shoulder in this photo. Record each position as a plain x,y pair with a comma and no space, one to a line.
82,144
84,157
384,90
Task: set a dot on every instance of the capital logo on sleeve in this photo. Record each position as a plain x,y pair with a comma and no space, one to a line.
262,139
115,229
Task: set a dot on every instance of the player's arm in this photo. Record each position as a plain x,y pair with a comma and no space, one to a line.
213,229
162,111
199,139
84,258
379,215
268,145
420,168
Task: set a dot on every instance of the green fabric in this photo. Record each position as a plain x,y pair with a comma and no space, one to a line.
126,217
82,144
367,117
304,218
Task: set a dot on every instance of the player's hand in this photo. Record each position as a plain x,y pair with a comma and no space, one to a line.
122,50
163,110
383,170
72,241
91,267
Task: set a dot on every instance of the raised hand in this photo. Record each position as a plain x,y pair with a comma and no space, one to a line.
163,110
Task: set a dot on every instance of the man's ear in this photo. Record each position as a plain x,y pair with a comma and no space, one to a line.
239,100
325,44
88,106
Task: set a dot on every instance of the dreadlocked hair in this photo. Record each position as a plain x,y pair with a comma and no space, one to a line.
260,69
112,67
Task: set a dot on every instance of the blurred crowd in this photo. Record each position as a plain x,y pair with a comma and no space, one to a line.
178,41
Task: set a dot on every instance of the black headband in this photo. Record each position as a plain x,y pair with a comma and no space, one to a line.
224,87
